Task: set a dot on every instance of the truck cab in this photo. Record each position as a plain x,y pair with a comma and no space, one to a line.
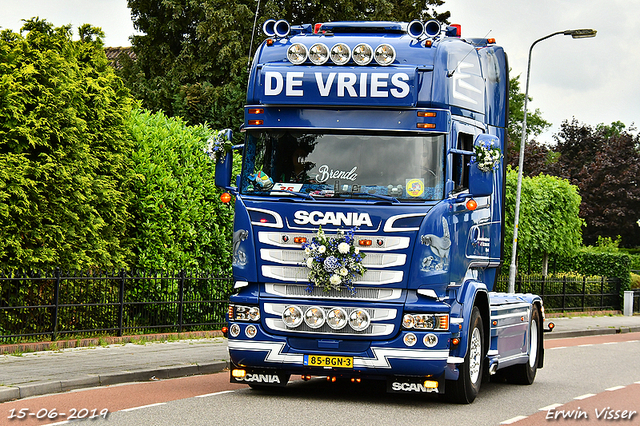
386,140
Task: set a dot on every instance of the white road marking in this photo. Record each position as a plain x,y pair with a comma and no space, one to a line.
549,407
145,406
212,394
615,388
585,396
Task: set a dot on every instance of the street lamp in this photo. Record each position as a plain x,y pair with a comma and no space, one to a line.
581,33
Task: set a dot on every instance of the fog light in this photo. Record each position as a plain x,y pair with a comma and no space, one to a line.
251,331
359,319
337,318
292,316
234,330
430,340
238,373
409,339
314,317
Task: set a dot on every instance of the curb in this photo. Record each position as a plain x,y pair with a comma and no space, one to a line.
590,332
9,393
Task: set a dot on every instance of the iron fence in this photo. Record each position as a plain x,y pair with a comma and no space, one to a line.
568,293
636,300
38,304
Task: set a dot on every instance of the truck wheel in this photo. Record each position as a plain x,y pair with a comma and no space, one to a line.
525,374
465,389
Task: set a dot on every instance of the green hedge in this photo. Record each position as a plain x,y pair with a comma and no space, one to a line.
64,151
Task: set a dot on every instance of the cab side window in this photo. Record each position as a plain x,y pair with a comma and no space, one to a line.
461,162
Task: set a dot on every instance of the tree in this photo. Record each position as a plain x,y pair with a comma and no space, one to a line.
549,216
64,151
604,162
192,56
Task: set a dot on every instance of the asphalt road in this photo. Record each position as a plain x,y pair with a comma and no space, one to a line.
581,374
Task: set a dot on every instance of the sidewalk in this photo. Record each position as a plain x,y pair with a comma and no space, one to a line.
47,372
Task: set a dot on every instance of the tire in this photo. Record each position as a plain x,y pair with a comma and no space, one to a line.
525,374
466,388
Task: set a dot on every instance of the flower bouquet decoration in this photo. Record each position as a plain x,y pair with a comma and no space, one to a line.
333,262
487,156
218,146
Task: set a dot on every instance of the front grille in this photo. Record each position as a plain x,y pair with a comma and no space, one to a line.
361,293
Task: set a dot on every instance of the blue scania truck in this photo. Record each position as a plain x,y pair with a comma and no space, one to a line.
386,137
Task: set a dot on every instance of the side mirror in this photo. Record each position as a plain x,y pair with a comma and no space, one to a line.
484,166
224,166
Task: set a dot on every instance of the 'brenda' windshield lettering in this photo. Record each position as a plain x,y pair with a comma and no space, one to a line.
326,174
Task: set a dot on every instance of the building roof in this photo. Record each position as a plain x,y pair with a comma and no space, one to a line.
113,55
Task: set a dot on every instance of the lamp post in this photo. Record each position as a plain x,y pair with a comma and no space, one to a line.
581,33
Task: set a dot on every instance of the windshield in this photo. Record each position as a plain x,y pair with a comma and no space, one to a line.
344,165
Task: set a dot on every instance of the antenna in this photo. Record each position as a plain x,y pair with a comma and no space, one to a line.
253,30
465,57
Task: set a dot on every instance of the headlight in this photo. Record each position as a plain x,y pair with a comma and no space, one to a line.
362,54
251,331
410,339
340,54
319,53
297,53
314,317
359,319
234,330
337,318
385,54
292,316
244,313
426,321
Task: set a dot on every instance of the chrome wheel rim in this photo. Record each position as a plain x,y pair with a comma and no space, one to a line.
475,352
533,347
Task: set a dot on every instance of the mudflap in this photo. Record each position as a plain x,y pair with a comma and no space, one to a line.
415,384
258,376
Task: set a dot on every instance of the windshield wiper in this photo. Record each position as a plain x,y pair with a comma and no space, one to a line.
381,197
299,194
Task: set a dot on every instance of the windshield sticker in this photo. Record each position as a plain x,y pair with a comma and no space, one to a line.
415,187
281,188
325,173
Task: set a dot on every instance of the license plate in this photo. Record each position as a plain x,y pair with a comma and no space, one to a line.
328,361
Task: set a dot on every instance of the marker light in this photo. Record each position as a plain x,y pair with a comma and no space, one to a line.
297,53
472,204
423,113
362,54
340,54
385,54
300,240
426,126
319,53
256,111
225,197
365,243
256,122
491,41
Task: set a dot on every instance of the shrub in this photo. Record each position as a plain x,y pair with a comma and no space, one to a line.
178,218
